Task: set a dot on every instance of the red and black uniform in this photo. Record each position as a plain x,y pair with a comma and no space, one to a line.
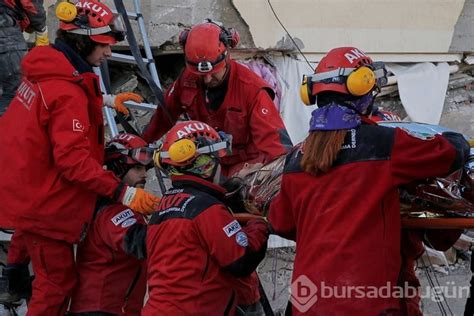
346,222
52,166
246,112
196,251
110,264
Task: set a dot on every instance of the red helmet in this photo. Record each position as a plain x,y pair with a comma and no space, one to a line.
92,18
126,150
205,47
187,141
344,60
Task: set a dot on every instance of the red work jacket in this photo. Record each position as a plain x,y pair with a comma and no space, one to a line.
346,222
52,147
111,264
191,240
247,113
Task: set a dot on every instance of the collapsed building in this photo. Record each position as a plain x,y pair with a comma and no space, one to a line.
429,48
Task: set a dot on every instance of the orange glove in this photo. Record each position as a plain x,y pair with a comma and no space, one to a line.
117,101
138,200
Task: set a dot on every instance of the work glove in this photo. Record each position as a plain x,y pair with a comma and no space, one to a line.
257,231
117,101
137,199
42,38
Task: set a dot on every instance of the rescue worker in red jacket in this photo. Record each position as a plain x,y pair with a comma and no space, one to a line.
17,16
52,162
195,272
229,97
110,262
339,192
216,90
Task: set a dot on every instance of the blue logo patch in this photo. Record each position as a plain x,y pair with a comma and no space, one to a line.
241,239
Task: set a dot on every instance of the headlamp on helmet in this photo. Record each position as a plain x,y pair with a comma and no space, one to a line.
205,46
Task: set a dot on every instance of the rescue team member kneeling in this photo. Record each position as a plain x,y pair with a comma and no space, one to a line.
339,191
110,262
52,162
195,271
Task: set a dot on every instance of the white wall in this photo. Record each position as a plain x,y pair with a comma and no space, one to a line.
373,25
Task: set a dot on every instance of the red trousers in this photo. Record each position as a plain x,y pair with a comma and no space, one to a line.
55,274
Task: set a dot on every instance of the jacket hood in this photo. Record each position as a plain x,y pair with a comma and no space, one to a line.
47,62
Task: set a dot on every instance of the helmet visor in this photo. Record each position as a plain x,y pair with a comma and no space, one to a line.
143,155
117,27
109,34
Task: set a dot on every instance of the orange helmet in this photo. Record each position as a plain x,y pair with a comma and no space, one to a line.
205,46
92,18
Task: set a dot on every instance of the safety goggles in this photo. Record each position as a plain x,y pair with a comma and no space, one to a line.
115,29
204,165
142,155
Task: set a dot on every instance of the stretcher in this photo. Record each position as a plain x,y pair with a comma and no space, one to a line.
443,202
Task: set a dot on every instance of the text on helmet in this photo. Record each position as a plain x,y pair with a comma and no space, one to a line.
126,137
192,128
354,54
93,7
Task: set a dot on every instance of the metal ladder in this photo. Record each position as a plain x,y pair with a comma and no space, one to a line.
146,66
148,61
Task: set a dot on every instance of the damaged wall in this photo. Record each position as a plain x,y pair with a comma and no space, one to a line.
166,18
463,38
384,26
374,25
437,26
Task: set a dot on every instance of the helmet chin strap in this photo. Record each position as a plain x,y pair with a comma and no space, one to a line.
217,174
